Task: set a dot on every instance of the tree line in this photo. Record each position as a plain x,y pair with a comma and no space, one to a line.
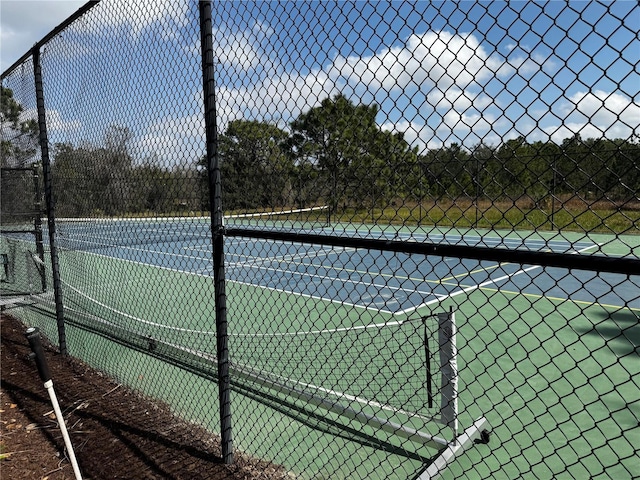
18,148
107,181
334,154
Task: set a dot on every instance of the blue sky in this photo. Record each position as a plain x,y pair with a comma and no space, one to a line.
24,22
441,72
446,72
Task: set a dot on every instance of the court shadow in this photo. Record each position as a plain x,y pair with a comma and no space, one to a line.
620,329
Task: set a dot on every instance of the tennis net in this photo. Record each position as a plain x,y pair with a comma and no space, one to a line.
100,234
399,369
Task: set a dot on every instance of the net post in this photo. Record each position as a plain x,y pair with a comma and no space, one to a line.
427,360
49,202
449,367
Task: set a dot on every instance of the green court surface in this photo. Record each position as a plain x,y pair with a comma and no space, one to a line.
554,376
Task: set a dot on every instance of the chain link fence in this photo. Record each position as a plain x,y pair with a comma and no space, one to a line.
358,240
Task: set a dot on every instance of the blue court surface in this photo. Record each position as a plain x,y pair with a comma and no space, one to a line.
392,283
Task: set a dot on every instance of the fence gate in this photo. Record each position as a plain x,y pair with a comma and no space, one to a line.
21,242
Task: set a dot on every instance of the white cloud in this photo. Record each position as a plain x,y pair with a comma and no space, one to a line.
458,100
415,133
439,60
464,123
279,98
451,69
455,72
443,64
177,141
23,23
596,114
237,49
139,15
522,66
55,122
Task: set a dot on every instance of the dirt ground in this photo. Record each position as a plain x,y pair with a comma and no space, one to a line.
116,433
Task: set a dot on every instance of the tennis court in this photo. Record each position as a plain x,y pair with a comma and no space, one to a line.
386,282
433,227
349,325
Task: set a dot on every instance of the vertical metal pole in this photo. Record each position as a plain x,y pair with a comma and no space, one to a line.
553,193
38,227
48,196
217,229
477,192
420,181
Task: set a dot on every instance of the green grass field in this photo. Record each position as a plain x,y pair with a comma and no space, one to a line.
567,214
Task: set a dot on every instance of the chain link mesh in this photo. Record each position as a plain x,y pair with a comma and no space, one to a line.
431,224
21,195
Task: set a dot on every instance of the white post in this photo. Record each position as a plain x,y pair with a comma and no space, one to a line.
63,428
35,342
449,369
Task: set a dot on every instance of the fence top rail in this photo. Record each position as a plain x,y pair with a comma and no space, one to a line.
78,13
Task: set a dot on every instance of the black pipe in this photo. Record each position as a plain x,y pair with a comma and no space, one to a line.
35,342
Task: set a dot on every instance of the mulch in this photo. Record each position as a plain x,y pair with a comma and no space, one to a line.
116,433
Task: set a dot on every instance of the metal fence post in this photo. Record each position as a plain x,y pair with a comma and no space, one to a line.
37,226
217,229
48,195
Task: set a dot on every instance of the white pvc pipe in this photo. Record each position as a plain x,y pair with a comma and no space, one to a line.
63,427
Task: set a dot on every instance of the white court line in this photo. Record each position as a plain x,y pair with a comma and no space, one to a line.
484,284
255,260
145,264
137,319
208,248
395,323
466,290
134,249
322,252
455,238
344,281
313,297
238,282
492,241
439,297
